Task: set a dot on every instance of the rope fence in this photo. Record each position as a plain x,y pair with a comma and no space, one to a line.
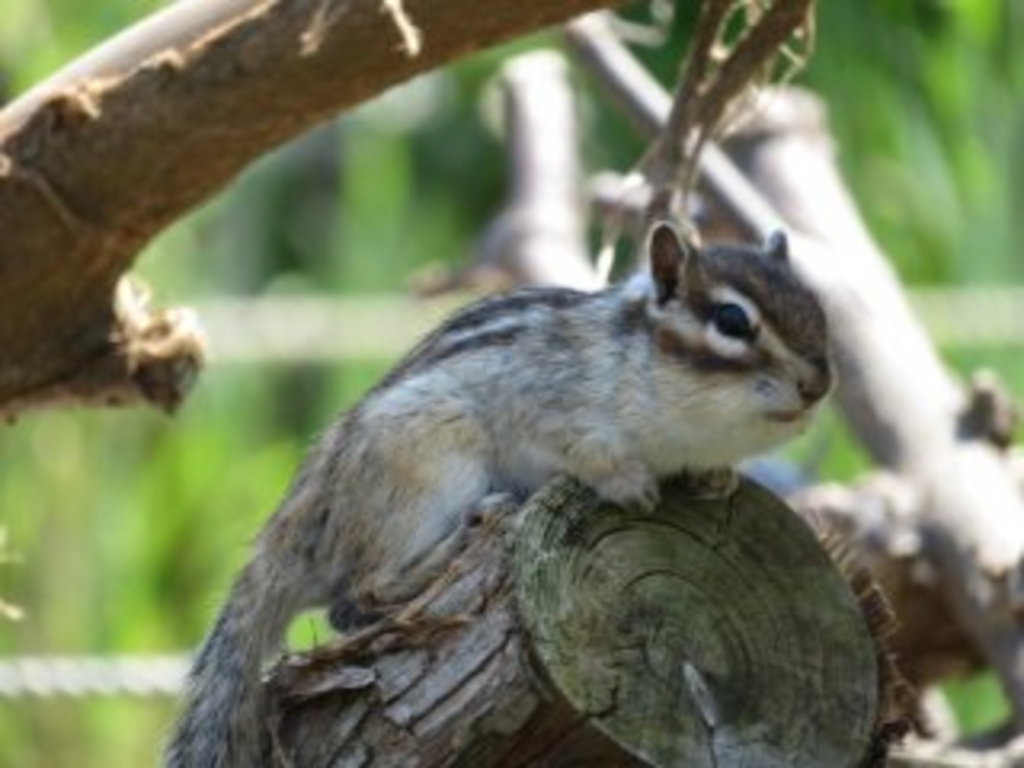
326,329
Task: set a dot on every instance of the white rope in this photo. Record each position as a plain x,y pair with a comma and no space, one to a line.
380,328
50,676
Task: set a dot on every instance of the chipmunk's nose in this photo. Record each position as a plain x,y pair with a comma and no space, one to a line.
816,384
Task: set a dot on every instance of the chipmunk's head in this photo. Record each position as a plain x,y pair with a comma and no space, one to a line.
737,323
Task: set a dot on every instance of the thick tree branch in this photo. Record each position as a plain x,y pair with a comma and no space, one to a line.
97,160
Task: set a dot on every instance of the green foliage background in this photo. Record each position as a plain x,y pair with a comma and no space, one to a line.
128,525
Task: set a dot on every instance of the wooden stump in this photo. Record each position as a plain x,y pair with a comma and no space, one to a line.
714,632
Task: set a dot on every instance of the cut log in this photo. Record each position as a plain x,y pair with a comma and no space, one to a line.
713,632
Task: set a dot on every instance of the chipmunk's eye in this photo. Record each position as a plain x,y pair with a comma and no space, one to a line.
731,320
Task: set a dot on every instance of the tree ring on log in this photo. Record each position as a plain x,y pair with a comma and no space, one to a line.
713,632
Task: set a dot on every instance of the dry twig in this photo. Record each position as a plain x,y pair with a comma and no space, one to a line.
718,72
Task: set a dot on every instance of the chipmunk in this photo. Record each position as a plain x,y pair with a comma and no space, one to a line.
707,357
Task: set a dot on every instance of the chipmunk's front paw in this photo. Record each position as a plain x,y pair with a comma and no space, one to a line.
633,487
495,507
709,483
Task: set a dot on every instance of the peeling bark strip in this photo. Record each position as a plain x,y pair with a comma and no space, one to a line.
710,633
151,356
412,38
101,157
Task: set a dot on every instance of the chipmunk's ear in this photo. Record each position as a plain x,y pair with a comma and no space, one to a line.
776,247
673,259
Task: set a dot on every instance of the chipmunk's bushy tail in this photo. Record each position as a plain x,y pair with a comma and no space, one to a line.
223,724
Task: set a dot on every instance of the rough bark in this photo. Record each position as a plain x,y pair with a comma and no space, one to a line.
97,160
715,632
